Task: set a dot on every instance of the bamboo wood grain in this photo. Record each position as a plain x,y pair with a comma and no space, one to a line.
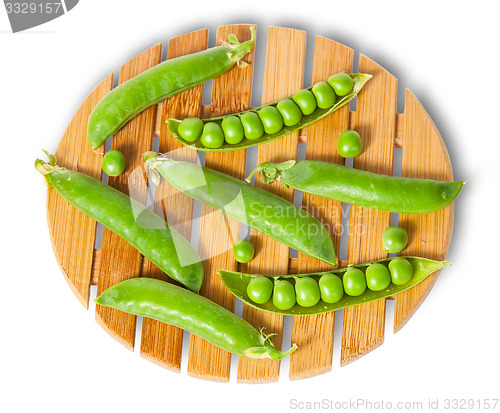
119,260
363,328
314,334
162,343
72,232
424,156
283,76
217,231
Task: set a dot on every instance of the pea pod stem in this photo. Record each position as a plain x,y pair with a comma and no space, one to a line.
359,81
248,204
159,82
177,306
128,218
237,283
368,189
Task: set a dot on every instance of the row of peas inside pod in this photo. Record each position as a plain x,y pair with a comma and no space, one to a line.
307,291
269,119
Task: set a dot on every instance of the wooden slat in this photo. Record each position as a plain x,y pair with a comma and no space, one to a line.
119,260
72,232
363,328
217,231
162,343
283,76
429,235
314,334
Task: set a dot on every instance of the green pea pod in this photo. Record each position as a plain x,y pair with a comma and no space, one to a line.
128,218
368,189
253,206
359,81
160,82
237,283
165,302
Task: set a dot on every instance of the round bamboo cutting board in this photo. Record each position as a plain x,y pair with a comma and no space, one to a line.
383,131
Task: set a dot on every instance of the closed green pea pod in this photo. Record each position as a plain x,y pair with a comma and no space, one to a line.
190,129
358,187
233,129
159,82
212,135
271,119
290,112
129,219
306,101
324,94
251,205
252,126
165,302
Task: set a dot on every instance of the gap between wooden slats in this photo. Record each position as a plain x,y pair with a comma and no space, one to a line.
218,232
162,343
314,334
283,76
72,232
119,260
424,156
363,328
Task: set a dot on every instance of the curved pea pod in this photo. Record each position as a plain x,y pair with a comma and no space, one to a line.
165,302
368,189
129,219
160,82
237,283
248,204
359,80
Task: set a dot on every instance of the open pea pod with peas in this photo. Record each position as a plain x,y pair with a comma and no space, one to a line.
321,292
269,122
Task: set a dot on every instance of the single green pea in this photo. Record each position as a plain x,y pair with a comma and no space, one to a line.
349,144
341,83
401,270
307,291
331,288
260,289
212,135
305,100
324,94
377,277
233,130
394,239
354,282
243,251
252,126
113,163
290,112
190,129
271,119
283,295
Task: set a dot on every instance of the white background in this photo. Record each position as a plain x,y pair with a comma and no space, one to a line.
52,353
